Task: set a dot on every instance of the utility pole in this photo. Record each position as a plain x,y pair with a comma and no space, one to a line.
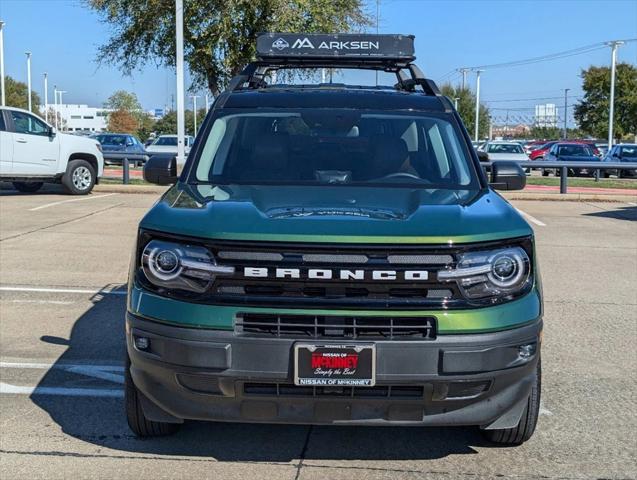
464,72
455,102
28,54
179,64
377,22
3,99
55,106
566,112
613,62
207,104
194,111
46,98
475,136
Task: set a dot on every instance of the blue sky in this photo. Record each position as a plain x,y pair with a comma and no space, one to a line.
449,34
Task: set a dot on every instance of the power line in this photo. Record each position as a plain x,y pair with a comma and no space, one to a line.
551,56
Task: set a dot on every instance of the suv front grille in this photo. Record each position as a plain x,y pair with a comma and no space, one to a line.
336,326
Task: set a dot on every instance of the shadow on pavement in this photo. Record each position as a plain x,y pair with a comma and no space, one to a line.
6,189
620,213
97,337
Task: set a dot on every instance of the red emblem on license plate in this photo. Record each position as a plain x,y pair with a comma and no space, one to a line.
334,360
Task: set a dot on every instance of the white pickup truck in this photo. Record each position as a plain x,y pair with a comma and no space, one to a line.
33,153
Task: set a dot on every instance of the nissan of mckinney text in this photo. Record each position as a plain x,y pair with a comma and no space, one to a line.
334,255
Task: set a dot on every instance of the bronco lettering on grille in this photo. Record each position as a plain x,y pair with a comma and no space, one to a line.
329,274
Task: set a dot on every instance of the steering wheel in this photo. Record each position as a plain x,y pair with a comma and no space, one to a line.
401,174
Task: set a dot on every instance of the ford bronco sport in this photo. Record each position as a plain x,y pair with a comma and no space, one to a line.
334,254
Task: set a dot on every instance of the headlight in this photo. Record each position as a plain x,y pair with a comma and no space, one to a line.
178,266
493,273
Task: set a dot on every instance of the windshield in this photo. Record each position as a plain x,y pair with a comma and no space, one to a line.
166,141
575,151
504,148
114,140
335,146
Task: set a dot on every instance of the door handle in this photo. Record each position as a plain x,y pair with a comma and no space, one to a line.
21,140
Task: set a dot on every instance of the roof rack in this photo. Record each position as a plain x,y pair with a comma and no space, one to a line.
389,53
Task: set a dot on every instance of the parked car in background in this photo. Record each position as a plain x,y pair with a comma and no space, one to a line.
505,151
603,148
33,153
540,153
624,152
571,152
532,145
119,143
168,144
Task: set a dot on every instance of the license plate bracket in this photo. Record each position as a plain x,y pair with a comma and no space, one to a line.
332,364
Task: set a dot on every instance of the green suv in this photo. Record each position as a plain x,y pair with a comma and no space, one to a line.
334,254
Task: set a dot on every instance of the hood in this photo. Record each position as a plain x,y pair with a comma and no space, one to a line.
335,214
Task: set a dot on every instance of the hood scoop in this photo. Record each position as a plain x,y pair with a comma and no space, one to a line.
361,212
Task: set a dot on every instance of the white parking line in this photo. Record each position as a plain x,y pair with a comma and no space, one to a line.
47,302
53,204
7,388
62,290
632,203
531,218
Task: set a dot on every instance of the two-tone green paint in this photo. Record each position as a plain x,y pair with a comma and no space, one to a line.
481,320
335,214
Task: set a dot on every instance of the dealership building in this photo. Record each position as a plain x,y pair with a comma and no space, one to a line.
80,118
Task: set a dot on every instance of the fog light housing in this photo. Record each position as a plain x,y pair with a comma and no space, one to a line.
142,343
527,351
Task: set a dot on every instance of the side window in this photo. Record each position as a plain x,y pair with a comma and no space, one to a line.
25,123
3,127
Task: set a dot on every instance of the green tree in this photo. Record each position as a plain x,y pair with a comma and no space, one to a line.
123,100
16,95
592,112
467,109
219,35
167,125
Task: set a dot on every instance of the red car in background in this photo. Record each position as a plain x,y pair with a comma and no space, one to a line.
539,153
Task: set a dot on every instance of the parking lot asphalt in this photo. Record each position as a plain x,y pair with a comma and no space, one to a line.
64,261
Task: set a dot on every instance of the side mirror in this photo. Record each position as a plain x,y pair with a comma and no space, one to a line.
161,169
507,176
50,132
482,156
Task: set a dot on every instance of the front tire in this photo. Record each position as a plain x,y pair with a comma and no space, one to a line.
137,421
27,187
525,428
79,178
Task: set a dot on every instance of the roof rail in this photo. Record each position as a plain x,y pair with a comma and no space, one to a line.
389,53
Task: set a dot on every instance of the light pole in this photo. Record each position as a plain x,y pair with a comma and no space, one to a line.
475,136
455,102
28,54
3,102
60,93
464,76
207,104
46,98
194,111
565,112
179,65
55,106
613,62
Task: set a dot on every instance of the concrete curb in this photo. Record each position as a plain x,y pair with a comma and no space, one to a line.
569,197
115,188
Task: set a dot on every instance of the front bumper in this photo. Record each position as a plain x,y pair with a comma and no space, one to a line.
206,374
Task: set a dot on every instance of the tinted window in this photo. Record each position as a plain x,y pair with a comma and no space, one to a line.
2,125
166,141
575,150
336,146
112,140
629,152
25,123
